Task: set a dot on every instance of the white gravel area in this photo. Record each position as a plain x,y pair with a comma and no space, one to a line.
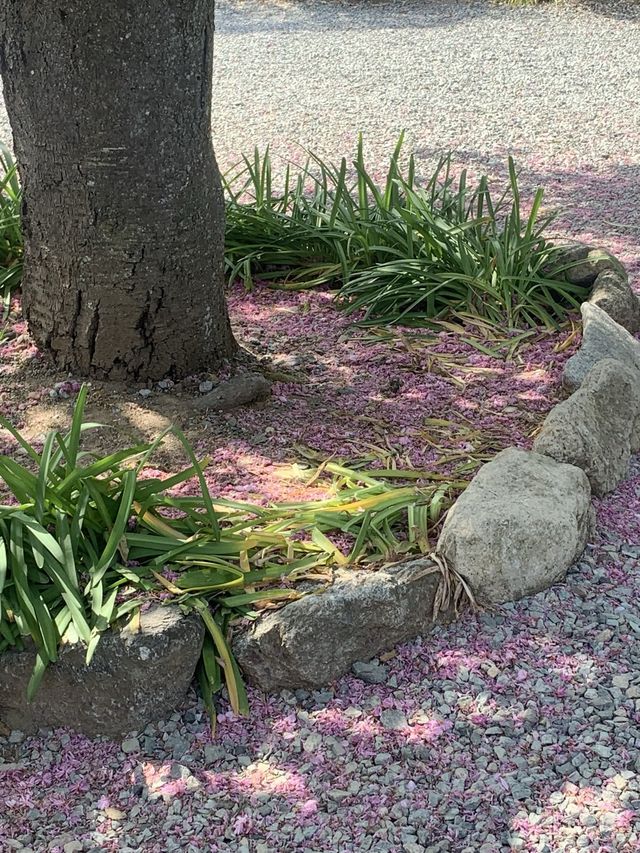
556,86
473,77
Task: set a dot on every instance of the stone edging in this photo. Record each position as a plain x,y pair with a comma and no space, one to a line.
521,523
135,676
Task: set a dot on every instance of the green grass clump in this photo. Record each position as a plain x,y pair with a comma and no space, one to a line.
88,539
404,251
400,251
10,230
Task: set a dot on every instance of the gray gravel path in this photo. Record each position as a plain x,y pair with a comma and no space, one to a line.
516,730
556,86
469,76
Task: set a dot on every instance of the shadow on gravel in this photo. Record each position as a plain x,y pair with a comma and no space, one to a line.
235,16
627,10
322,15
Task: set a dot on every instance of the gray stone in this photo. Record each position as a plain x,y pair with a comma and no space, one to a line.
312,742
613,294
213,753
580,263
241,390
393,720
130,745
602,338
520,524
594,428
312,641
133,678
371,673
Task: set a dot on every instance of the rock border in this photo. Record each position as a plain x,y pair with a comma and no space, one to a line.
138,674
522,522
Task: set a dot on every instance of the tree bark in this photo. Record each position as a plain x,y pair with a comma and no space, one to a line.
123,214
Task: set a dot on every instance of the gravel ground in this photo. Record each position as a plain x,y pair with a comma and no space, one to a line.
515,730
556,86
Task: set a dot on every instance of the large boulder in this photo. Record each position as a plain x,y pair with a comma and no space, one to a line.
602,338
134,678
522,521
314,640
579,263
612,292
596,427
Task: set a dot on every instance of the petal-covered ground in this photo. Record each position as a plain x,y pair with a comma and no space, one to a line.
428,401
439,401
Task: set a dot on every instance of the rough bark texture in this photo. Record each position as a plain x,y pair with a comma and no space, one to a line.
110,107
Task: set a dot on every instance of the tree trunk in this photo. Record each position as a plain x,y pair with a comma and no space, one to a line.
123,215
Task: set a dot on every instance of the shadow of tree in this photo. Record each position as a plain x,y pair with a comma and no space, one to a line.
395,397
624,10
288,16
284,16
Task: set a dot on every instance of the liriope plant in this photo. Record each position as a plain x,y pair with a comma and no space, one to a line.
402,250
10,228
85,540
398,251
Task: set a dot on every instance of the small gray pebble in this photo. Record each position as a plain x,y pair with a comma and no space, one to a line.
371,673
130,745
